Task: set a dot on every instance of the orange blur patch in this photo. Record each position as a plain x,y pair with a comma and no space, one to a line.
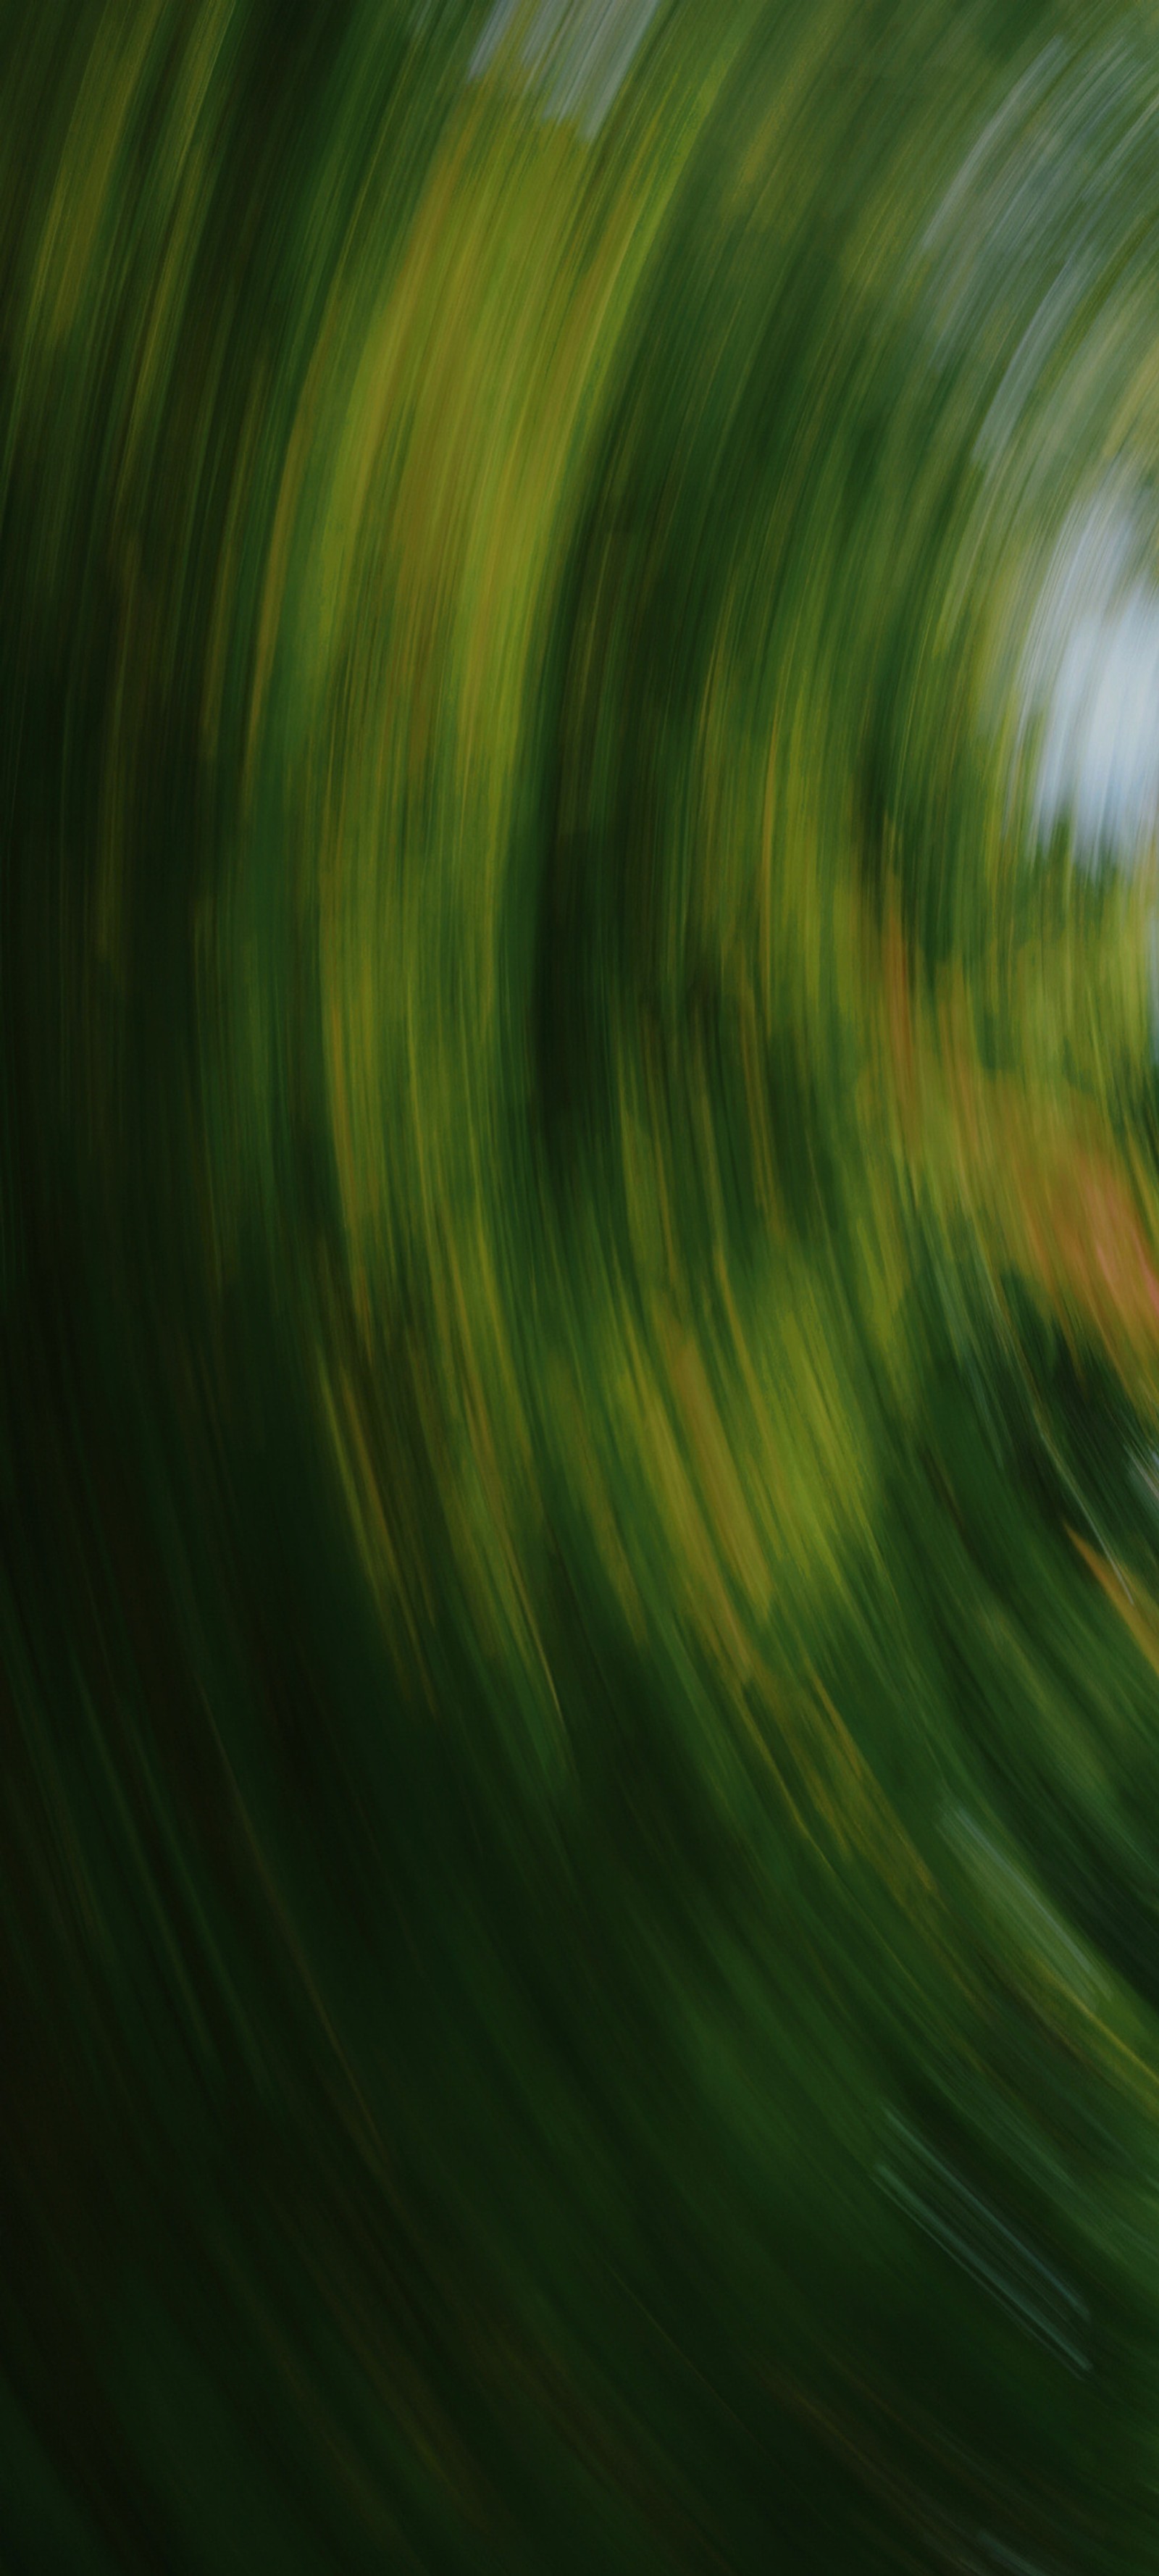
1091,1250
1045,1183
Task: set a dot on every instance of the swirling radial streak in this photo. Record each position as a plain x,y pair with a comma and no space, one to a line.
579,1246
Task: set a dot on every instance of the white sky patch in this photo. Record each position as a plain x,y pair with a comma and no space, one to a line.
578,52
1090,688
1101,755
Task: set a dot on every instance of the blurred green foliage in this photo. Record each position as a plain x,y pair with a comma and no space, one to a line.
579,1591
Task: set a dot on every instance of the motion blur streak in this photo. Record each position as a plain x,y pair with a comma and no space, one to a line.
579,1247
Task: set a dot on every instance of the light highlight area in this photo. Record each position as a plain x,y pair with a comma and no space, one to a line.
575,54
1092,681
